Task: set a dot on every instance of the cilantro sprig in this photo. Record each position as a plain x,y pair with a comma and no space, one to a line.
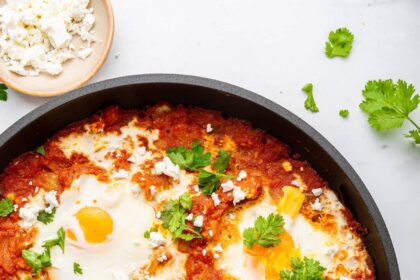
77,269
195,159
6,207
306,269
45,217
310,104
265,232
340,43
173,218
40,150
344,113
189,159
389,104
40,260
3,92
147,233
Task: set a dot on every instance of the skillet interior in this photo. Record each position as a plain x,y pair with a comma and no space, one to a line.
140,91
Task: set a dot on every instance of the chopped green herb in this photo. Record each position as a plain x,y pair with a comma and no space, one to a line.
40,150
189,159
222,161
3,92
344,113
38,261
77,269
45,217
340,43
306,269
389,104
173,218
310,104
265,232
147,232
6,207
209,182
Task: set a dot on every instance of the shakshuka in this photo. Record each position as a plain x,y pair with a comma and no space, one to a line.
172,192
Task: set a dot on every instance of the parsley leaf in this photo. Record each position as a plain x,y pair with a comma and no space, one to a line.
3,92
389,104
77,269
208,182
265,232
189,159
222,161
340,43
40,150
38,261
344,113
45,217
6,207
173,218
415,134
306,269
310,104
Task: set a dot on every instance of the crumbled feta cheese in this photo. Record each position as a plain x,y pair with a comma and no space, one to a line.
218,248
158,214
168,168
349,235
344,278
238,195
156,239
216,256
15,207
24,199
189,217
296,183
228,186
51,201
317,205
84,53
162,258
209,128
28,214
231,216
198,222
138,155
37,35
242,175
204,252
152,190
196,188
317,192
30,183
216,199
210,233
121,174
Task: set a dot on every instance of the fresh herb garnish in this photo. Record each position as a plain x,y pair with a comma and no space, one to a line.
222,161
3,92
40,150
77,269
147,232
189,159
340,43
310,104
208,181
6,207
389,104
265,232
173,218
344,113
45,217
38,261
306,269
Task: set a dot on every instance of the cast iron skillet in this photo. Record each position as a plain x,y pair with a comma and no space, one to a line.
142,90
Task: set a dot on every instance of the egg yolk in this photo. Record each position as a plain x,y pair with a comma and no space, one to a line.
95,223
275,258
291,202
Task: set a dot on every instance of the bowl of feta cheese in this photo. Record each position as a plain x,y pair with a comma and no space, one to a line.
50,47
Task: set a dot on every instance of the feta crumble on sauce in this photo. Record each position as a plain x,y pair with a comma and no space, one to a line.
38,36
107,182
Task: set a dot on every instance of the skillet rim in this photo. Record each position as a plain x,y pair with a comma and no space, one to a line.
250,96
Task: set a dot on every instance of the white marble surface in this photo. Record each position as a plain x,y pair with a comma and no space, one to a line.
273,48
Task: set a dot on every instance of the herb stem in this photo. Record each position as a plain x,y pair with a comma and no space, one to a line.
410,120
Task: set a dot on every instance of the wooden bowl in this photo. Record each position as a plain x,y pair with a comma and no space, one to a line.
76,72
